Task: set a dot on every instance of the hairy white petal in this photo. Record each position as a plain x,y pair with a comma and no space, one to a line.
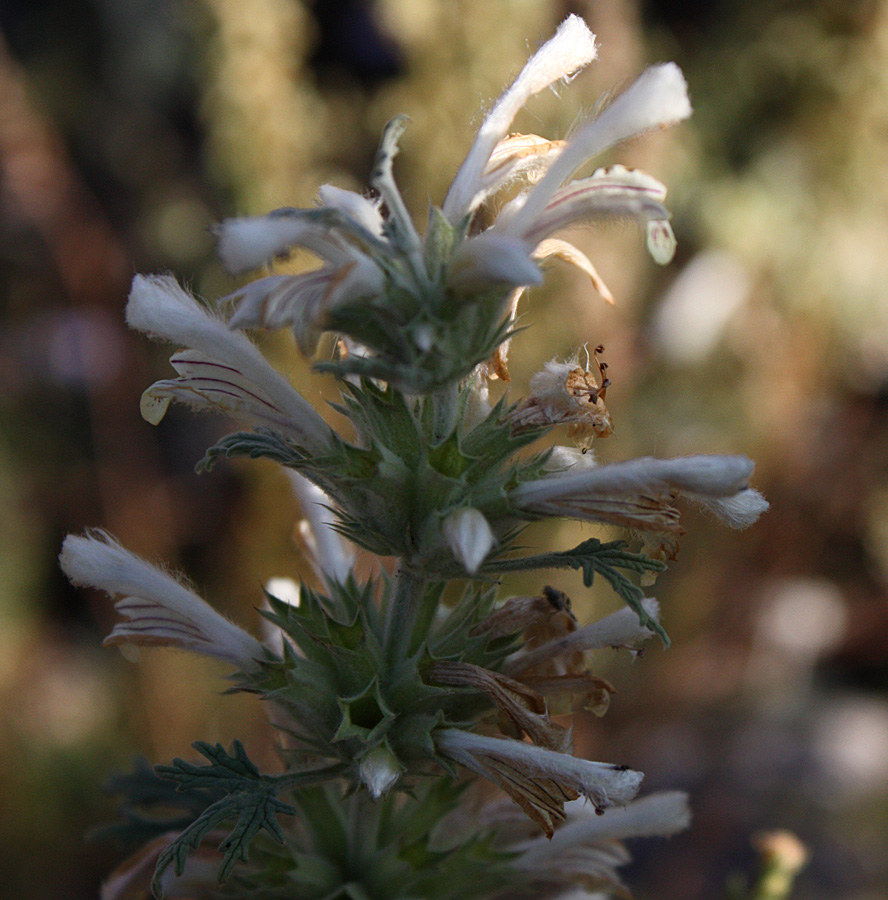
569,50
519,156
161,309
657,98
739,511
278,300
251,242
304,301
334,556
603,783
701,476
492,259
621,180
659,815
469,536
608,193
205,384
359,279
159,608
297,300
357,207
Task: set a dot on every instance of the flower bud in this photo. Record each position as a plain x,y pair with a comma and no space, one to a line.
379,770
469,536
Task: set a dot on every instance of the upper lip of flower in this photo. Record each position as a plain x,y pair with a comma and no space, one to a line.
540,780
571,49
220,368
658,98
159,608
708,476
639,493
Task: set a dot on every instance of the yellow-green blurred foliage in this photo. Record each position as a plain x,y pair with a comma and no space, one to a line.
127,128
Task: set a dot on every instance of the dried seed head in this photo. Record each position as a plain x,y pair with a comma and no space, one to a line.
545,616
563,393
522,709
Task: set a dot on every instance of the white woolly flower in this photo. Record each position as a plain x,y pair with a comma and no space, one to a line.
220,370
339,231
304,302
355,206
491,258
469,536
739,511
254,241
585,848
620,629
160,611
657,98
571,49
658,815
541,781
639,493
381,267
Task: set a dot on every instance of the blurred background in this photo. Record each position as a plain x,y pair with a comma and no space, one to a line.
127,127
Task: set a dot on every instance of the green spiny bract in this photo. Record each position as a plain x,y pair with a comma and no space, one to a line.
393,847
346,690
413,461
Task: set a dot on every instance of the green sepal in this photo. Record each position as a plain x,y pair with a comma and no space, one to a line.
441,237
263,443
423,349
365,715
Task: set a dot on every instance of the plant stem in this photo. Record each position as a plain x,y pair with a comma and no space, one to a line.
400,613
446,404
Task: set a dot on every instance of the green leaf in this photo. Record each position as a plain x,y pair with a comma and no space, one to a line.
149,806
596,558
251,800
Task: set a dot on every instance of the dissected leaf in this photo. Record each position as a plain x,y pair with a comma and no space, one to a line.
251,800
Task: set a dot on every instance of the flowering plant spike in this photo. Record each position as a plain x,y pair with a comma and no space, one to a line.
389,694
